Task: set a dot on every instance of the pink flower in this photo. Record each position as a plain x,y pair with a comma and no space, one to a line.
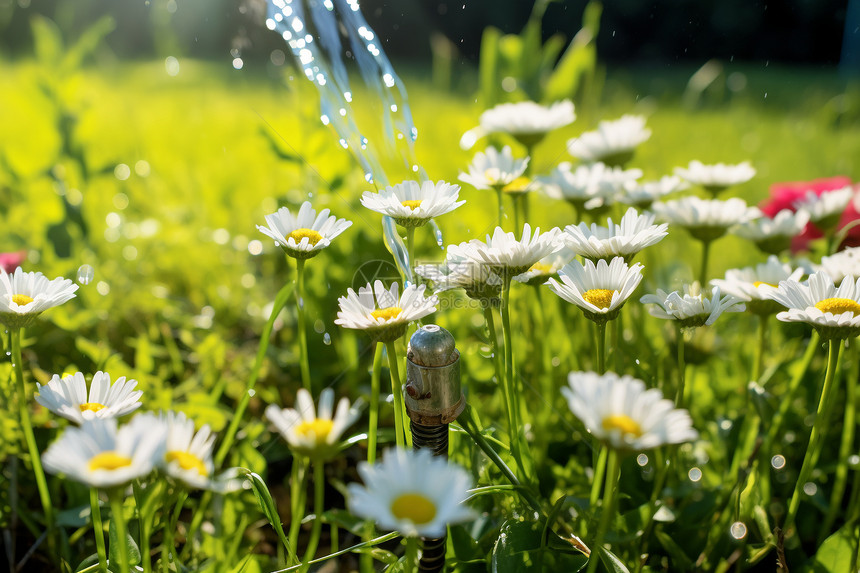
784,195
11,261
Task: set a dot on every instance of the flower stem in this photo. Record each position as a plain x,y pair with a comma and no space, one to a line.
500,197
497,364
601,346
793,387
144,529
515,426
98,529
410,247
599,473
518,216
30,437
410,559
374,403
297,506
703,272
303,333
682,369
397,390
116,515
319,498
845,447
761,348
662,466
818,427
607,512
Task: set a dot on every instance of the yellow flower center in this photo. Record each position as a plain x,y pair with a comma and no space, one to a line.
387,313
838,306
543,268
414,507
91,407
518,184
187,461
319,428
492,174
624,423
760,283
21,299
313,236
411,203
599,297
109,461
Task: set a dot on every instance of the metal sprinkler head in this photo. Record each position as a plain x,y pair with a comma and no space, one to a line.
434,399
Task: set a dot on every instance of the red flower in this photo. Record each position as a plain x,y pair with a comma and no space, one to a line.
11,261
784,195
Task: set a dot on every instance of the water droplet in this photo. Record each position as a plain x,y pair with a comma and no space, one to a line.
85,274
8,353
854,460
437,234
738,530
301,302
238,64
327,339
642,460
252,392
810,488
778,462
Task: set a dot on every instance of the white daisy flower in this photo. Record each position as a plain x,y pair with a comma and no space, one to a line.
306,234
690,307
773,235
99,455
826,209
546,267
641,195
620,412
24,296
412,204
588,186
599,290
506,255
479,281
188,455
631,235
843,264
613,142
411,492
833,311
528,122
311,432
380,311
491,169
754,285
704,219
68,396
716,178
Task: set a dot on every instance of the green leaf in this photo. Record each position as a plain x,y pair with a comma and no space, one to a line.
611,561
267,504
131,546
834,555
47,39
489,66
518,550
88,42
379,554
87,562
680,560
345,520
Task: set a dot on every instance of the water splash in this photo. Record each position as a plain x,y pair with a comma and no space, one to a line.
316,45
397,247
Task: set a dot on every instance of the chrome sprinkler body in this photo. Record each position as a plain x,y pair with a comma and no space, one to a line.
434,399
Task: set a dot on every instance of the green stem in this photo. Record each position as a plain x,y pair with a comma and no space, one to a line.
363,544
793,387
703,272
98,529
397,389
599,473
230,435
818,427
659,481
303,333
410,559
116,499
601,346
846,446
319,498
500,197
144,530
374,403
607,512
518,216
515,426
410,247
30,437
761,348
497,364
297,506
682,369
